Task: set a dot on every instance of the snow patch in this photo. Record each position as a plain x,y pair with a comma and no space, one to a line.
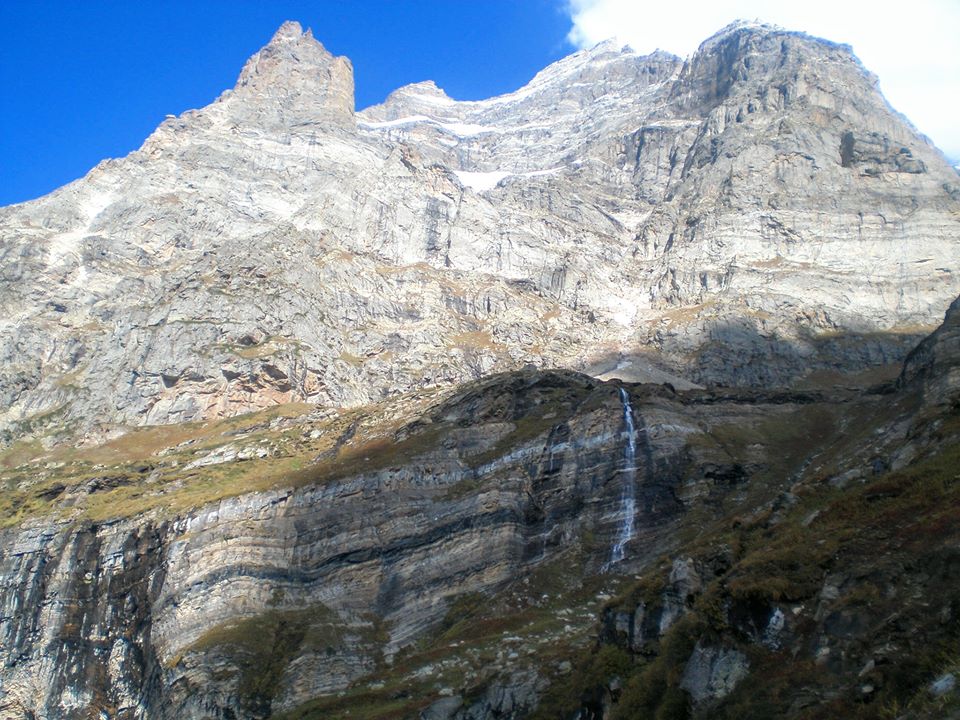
481,181
468,129
624,313
275,205
456,128
81,278
394,123
94,204
64,244
538,173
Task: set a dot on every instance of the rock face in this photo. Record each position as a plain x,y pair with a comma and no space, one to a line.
162,617
293,83
752,214
931,368
712,673
387,572
837,594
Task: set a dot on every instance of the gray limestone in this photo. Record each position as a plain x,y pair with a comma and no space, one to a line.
712,673
745,216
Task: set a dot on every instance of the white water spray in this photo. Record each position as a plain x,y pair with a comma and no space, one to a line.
628,499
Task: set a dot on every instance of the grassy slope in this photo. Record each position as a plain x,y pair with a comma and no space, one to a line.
893,545
147,469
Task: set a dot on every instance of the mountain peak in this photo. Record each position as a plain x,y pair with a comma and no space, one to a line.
742,24
425,89
298,77
611,45
291,30
289,50
756,28
603,149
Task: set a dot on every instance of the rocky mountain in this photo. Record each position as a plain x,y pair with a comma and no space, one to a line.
747,217
628,394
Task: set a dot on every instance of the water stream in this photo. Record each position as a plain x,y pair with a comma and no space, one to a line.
628,498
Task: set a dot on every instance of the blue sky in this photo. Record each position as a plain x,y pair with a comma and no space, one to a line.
87,80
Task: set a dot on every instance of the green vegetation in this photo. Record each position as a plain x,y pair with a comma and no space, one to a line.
925,705
261,647
889,541
594,670
653,690
144,469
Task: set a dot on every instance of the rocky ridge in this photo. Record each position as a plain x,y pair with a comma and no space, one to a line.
746,216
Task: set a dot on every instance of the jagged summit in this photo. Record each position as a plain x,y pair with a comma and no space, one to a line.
760,30
610,45
617,46
290,31
723,219
290,49
299,78
610,68
610,73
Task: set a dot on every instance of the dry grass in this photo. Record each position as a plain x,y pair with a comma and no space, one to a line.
351,359
144,469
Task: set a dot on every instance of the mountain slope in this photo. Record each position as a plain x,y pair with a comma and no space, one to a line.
732,219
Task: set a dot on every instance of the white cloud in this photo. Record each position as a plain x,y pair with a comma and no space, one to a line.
913,47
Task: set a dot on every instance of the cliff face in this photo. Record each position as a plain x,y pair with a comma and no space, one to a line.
839,598
163,615
459,563
736,218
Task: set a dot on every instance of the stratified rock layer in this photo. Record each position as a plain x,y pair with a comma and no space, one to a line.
157,616
747,217
328,579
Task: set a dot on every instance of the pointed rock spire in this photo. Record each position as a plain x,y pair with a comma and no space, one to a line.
289,31
295,79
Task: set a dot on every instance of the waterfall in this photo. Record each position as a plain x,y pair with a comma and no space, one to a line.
628,499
